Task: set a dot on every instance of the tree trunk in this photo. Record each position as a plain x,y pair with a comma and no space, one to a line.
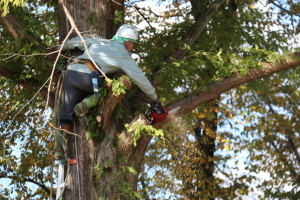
106,160
104,169
95,17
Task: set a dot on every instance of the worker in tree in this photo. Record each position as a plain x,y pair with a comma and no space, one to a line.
79,92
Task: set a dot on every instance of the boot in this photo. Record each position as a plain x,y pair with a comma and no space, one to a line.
60,142
83,107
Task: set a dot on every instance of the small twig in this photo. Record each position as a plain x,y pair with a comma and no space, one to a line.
284,9
117,3
54,65
22,55
26,104
60,129
141,15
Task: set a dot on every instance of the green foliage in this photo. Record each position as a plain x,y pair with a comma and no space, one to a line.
118,87
4,5
124,187
119,17
99,171
92,126
139,130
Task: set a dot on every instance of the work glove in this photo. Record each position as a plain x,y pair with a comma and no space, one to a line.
157,107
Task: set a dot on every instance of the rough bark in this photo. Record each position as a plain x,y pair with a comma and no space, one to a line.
101,163
93,17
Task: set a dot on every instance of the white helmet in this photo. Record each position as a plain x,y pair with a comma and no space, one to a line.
128,31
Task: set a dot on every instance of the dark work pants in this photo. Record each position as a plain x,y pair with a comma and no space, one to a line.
77,86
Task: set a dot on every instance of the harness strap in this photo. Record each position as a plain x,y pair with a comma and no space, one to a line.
91,66
95,73
86,62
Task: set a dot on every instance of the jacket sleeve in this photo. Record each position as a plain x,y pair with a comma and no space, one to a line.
140,79
77,43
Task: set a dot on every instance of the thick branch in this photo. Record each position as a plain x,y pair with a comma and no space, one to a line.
196,29
136,154
16,29
215,89
201,22
111,101
42,186
28,83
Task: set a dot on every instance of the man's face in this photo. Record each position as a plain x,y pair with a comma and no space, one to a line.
129,45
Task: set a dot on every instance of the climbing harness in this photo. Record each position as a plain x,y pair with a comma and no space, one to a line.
61,182
94,72
64,178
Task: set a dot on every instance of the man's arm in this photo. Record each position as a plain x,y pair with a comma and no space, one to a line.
73,43
141,80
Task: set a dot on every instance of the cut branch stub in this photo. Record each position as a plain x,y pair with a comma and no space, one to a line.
110,102
126,143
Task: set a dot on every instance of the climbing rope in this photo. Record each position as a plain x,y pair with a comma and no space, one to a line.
57,98
51,180
65,181
77,167
57,106
56,110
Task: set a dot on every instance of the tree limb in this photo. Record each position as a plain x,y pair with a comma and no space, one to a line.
42,186
28,83
195,30
215,89
16,29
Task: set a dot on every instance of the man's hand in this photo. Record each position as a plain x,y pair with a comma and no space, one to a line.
157,107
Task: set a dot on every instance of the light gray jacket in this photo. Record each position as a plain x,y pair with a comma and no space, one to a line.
111,56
